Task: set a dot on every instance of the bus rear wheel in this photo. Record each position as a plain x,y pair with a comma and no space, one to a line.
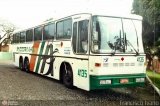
21,63
26,65
68,76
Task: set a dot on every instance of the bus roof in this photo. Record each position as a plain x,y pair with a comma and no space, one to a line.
131,16
120,15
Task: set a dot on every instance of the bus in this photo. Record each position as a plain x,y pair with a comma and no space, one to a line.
89,51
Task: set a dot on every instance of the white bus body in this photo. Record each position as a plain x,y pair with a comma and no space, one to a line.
89,51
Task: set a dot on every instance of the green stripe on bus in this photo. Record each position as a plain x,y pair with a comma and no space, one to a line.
39,57
44,60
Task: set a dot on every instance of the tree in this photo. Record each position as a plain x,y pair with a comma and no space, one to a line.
6,28
150,10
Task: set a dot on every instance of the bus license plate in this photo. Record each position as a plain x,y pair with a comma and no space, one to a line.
124,81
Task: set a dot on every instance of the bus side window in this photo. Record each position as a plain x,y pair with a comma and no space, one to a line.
22,37
48,32
38,33
59,30
67,28
13,38
83,36
64,29
17,37
29,35
74,38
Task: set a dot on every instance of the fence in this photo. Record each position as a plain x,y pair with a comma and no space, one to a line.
155,65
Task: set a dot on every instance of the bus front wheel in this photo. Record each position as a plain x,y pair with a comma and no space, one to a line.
67,76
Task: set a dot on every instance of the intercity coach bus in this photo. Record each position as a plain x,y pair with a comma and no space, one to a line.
87,50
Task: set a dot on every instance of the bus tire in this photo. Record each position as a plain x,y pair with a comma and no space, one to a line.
21,63
26,65
68,76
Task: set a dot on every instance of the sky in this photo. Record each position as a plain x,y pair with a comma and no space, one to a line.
27,13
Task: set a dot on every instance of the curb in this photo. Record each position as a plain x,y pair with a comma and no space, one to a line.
155,88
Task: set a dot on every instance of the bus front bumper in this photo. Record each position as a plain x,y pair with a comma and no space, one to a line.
116,81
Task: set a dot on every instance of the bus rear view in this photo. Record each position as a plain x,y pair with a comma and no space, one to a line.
117,56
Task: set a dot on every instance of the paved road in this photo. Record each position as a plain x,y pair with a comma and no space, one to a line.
21,88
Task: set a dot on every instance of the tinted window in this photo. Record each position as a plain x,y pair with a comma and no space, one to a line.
60,29
74,39
38,33
22,36
67,28
29,35
64,29
17,38
48,32
82,37
13,38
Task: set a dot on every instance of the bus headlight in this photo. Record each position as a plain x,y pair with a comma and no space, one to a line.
105,82
139,79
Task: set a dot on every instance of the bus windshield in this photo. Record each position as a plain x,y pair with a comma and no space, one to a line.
116,35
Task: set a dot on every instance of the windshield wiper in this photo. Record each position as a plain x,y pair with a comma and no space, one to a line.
137,53
128,42
122,43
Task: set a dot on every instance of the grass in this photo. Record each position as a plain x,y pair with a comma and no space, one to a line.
155,77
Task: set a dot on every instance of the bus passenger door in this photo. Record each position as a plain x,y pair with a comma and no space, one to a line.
80,49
